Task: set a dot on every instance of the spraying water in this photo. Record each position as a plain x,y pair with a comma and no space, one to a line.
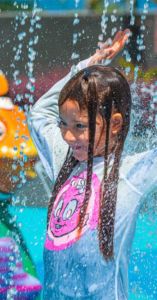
34,38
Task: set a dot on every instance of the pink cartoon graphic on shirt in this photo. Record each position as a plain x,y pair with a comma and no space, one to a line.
64,220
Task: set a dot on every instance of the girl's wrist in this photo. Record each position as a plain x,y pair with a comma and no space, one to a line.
83,64
92,60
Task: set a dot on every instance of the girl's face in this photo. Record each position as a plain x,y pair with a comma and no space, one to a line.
74,128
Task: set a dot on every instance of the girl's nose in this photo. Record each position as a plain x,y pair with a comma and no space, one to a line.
69,136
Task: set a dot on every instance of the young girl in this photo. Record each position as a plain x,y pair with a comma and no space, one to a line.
79,128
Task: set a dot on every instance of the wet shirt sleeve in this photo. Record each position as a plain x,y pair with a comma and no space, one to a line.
43,125
143,174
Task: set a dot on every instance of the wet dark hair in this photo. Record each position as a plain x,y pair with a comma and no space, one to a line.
98,89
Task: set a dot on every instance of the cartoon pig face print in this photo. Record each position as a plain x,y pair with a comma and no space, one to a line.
64,220
65,216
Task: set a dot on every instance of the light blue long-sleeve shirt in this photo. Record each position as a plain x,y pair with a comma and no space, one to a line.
75,268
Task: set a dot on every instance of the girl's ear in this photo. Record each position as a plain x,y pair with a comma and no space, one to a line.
116,123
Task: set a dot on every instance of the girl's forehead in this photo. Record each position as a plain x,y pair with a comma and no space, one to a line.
71,108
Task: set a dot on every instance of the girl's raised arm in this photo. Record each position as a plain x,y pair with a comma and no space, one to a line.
43,116
43,125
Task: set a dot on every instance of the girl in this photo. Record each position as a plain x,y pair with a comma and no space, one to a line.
79,128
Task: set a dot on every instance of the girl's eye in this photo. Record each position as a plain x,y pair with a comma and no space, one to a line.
81,126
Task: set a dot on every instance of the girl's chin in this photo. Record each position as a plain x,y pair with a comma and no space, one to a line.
80,156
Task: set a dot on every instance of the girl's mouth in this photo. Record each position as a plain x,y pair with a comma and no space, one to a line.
78,148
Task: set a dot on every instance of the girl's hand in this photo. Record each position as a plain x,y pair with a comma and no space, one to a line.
110,48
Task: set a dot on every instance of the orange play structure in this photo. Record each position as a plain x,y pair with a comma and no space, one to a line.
4,86
17,151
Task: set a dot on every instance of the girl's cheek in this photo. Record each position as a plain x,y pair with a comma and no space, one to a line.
84,137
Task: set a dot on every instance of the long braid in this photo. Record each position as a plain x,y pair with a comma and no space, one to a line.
109,186
108,208
104,225
108,197
92,112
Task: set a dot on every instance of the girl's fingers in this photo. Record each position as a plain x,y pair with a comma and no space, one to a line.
109,48
122,36
105,55
106,44
99,56
127,32
120,41
125,35
117,36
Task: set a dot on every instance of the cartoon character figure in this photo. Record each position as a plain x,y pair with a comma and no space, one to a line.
64,220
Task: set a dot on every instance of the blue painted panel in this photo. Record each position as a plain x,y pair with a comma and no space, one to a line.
152,4
60,4
54,4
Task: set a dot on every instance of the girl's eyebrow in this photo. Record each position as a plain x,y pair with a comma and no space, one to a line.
80,121
76,121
